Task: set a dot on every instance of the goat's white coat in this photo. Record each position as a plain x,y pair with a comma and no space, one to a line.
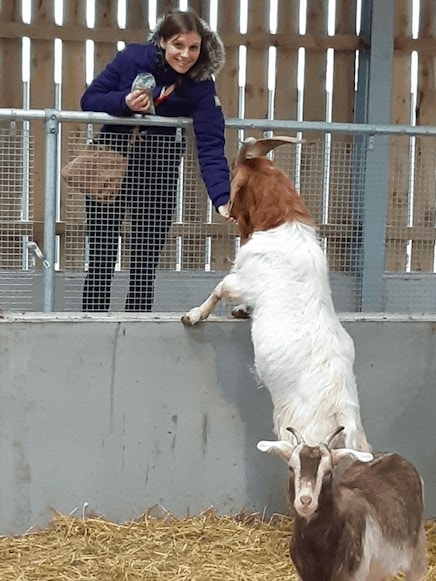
303,355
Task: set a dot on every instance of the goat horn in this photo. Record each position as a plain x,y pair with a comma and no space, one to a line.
252,147
332,436
297,434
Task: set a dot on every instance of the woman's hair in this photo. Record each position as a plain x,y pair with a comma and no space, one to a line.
180,22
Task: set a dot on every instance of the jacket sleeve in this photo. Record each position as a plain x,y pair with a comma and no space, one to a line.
208,124
108,91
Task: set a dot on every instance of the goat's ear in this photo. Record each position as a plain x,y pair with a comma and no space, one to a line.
239,180
245,151
339,453
279,447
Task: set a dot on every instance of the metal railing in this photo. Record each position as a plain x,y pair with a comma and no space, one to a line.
370,188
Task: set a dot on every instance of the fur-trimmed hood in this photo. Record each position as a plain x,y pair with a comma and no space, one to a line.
214,49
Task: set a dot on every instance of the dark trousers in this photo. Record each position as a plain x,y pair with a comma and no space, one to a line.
148,197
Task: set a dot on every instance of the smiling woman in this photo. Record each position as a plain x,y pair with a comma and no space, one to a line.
183,55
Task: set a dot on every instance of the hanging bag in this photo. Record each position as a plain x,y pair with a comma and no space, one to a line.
98,171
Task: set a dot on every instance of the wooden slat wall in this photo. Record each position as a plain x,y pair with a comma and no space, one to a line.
402,197
315,72
105,17
73,61
137,18
256,89
223,239
341,202
285,105
424,207
227,81
343,80
43,30
11,227
42,94
396,244
10,57
73,69
314,104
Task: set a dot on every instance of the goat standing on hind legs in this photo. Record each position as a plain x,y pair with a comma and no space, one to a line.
303,355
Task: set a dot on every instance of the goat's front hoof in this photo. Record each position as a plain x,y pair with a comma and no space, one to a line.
186,321
240,314
191,318
242,311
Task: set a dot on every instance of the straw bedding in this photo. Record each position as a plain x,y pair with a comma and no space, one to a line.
206,547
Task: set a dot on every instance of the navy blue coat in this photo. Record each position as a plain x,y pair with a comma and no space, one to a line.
191,98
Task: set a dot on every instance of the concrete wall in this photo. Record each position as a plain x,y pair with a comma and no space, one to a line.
125,412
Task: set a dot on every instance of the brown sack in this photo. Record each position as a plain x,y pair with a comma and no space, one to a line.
97,172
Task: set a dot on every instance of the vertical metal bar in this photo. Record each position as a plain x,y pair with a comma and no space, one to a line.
51,126
376,176
362,59
25,191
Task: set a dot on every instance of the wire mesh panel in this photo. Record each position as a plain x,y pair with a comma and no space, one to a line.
159,229
180,248
161,246
410,232
17,248
410,257
195,248
330,176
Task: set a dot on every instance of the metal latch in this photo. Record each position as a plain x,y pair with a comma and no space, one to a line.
33,247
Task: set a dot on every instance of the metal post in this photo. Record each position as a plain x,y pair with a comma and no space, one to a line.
359,152
51,125
376,182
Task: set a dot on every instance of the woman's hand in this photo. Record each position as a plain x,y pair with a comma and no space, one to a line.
138,101
224,211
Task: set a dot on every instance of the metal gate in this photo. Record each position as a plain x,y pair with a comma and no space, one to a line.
371,190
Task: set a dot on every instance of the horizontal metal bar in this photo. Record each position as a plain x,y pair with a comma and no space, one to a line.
23,114
261,124
351,128
91,117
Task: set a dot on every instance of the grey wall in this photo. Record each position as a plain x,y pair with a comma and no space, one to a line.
126,412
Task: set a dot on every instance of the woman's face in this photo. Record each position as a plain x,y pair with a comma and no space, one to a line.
182,51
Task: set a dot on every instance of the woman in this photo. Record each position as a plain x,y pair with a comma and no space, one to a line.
183,54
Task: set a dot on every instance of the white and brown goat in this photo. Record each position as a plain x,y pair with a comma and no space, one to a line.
303,355
360,524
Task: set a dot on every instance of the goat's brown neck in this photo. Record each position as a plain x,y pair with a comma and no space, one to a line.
325,543
265,198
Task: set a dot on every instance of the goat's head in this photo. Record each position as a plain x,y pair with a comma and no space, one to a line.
262,196
310,467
